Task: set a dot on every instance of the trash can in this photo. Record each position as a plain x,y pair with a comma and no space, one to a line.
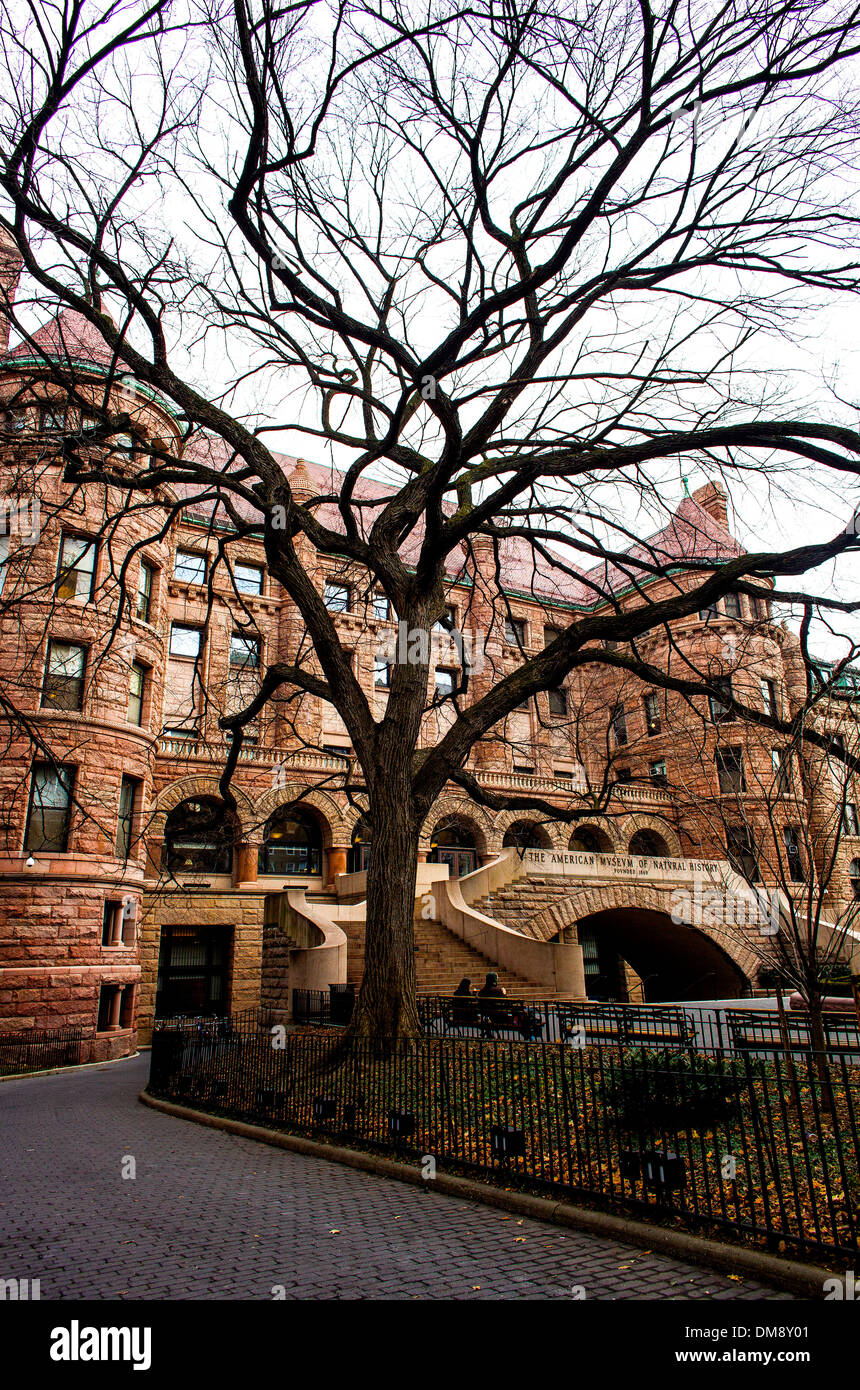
341,1003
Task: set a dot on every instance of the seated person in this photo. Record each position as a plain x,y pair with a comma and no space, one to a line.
491,992
465,1006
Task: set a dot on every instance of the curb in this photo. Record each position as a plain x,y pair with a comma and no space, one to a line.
805,1280
64,1071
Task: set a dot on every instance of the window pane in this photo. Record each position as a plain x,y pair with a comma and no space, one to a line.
4,556
144,592
75,574
189,567
381,672
184,641
381,608
248,579
733,605
653,722
48,816
125,819
64,676
515,632
557,702
445,681
336,598
244,651
135,694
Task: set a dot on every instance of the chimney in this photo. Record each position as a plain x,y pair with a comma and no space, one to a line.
11,261
713,499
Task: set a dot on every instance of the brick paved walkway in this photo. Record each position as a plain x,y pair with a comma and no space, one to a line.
210,1215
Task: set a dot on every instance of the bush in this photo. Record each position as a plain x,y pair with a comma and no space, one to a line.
652,1087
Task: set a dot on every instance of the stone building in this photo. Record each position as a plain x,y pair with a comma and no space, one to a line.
127,892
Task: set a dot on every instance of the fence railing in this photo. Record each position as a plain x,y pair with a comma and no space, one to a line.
210,1027
759,1150
702,1028
40,1049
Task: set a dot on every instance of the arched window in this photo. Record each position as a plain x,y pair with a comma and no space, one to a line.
452,843
587,840
854,875
198,837
648,842
525,834
359,853
292,843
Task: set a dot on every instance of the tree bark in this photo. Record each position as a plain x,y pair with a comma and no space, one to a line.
386,1010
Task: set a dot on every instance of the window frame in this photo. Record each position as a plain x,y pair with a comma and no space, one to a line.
653,720
78,681
145,591
199,555
124,840
139,695
328,586
250,640
63,572
58,770
185,656
729,760
238,582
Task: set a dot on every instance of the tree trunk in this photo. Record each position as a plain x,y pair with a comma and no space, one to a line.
386,1010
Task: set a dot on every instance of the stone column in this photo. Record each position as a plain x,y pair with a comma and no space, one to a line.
246,864
335,864
116,999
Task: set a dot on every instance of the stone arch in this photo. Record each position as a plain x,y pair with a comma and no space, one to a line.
332,821
540,832
503,821
457,808
190,787
630,824
592,902
605,831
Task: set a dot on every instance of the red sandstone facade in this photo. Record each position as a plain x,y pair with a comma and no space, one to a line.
83,926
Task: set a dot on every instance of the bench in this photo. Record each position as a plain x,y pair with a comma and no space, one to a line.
759,1031
488,1018
626,1025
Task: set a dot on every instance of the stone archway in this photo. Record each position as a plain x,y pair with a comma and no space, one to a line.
630,825
674,958
190,787
450,808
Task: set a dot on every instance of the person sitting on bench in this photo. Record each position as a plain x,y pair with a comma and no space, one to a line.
464,1010
493,1011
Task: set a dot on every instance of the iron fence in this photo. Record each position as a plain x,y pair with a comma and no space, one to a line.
700,1027
40,1049
761,1150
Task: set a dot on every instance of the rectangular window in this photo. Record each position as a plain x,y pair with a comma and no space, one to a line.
658,773
244,651
733,606
52,419
48,813
143,602
720,711
76,569
791,840
112,923
742,854
336,597
730,770
4,556
185,641
524,769
446,681
136,688
557,702
248,578
770,698
781,758
189,567
711,611
851,822
107,994
125,819
63,687
515,632
381,672
381,608
449,622
618,723
653,722
550,634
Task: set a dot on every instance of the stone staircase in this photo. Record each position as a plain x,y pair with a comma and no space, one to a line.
518,903
442,959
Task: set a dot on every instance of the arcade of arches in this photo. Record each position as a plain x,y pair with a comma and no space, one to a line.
210,952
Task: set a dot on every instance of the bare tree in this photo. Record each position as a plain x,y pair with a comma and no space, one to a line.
509,259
